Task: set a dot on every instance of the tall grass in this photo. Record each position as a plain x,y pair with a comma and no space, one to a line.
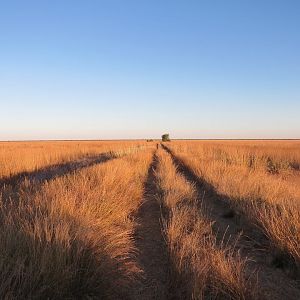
17,157
271,201
203,268
274,157
73,237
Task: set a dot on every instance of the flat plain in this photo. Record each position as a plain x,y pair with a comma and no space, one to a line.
150,220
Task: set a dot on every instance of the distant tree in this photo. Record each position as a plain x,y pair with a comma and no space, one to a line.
165,137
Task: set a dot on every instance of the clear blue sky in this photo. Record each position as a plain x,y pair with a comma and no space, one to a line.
137,69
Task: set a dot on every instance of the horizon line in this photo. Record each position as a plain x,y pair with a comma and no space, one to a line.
154,139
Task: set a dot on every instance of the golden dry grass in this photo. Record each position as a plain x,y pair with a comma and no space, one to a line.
205,269
260,178
274,157
73,237
17,157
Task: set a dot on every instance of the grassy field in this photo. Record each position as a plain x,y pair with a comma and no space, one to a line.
145,220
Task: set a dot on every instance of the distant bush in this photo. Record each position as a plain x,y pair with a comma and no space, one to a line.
165,137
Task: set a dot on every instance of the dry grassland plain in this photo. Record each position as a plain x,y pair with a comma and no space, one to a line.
150,220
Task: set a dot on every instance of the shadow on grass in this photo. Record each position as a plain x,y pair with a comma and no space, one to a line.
58,170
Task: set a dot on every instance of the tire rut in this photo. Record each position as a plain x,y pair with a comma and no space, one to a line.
150,242
236,231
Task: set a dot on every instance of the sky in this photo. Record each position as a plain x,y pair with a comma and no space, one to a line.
115,69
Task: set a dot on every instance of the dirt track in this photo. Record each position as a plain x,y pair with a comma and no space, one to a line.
150,242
